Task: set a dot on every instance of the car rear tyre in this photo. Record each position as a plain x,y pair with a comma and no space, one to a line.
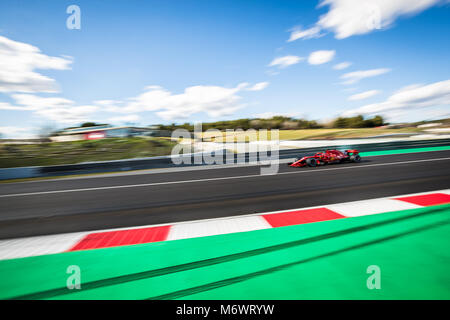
355,158
311,162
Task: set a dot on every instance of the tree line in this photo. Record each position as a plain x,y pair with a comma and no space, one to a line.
282,123
276,122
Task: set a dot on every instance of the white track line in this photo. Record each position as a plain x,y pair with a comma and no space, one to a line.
40,245
214,179
372,206
216,227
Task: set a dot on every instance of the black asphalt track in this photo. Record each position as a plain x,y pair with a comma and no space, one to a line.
70,205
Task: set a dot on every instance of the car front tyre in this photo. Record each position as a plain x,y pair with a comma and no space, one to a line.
355,158
311,162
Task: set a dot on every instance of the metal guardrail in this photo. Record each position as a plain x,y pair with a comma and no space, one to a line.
166,161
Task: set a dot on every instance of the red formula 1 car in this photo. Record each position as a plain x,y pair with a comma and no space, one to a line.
329,156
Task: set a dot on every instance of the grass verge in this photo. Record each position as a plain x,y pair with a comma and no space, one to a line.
56,153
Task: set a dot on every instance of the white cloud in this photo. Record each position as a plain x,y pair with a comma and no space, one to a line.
412,97
299,33
8,106
56,109
258,86
215,101
356,76
283,62
272,72
363,95
30,102
412,115
74,114
18,61
107,103
270,114
124,119
348,17
11,132
33,102
321,56
435,114
342,65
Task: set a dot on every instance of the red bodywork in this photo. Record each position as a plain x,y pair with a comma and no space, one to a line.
329,156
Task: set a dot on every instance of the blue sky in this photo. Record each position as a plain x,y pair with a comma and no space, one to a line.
148,62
